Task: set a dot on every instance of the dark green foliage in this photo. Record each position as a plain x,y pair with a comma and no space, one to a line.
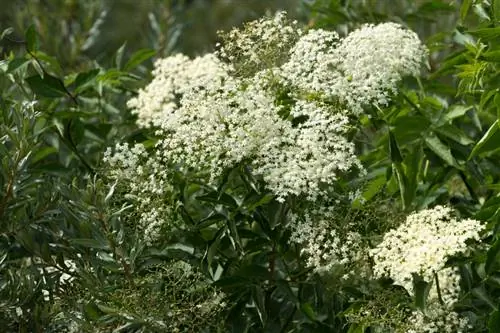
70,248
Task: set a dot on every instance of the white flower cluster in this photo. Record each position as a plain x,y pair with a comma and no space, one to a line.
423,244
437,319
173,77
325,245
261,44
209,119
361,69
146,182
215,129
312,153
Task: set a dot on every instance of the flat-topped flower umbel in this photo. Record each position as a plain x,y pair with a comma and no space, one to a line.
276,98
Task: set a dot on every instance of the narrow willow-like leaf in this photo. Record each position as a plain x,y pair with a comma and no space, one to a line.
495,5
464,9
32,43
119,56
486,33
489,142
138,58
394,149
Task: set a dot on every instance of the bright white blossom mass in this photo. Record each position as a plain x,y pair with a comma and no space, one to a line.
363,68
173,77
422,245
326,245
251,101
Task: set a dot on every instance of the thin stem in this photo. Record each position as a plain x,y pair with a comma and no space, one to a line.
440,298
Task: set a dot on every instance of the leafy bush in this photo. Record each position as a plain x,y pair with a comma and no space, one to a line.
294,180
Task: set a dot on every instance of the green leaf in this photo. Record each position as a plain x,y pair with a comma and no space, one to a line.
283,286
31,37
495,5
494,321
83,80
486,97
259,299
90,243
449,64
481,12
91,311
496,100
356,328
257,200
51,61
464,9
456,111
38,68
6,32
211,219
112,76
486,34
409,128
402,183
17,63
214,246
489,142
466,276
48,86
455,134
119,56
234,234
231,282
481,293
373,187
180,250
441,150
394,149
107,309
138,57
492,256
43,153
76,130
223,199
413,164
308,310
492,56
493,280
421,289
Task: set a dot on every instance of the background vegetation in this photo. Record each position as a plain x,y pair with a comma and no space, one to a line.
68,257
